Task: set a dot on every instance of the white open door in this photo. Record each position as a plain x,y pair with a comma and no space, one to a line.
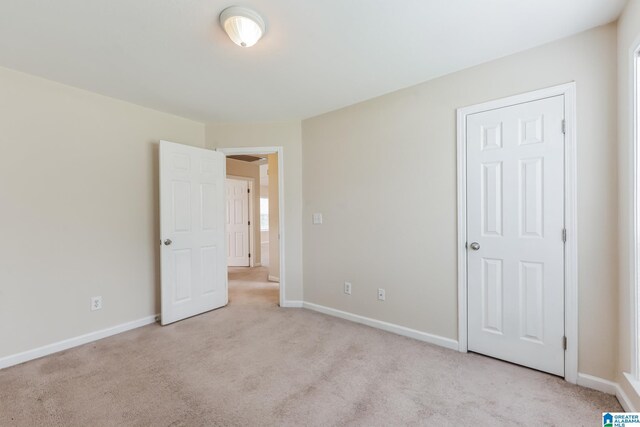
192,231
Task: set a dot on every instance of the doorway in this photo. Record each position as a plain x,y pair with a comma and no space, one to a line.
263,166
516,226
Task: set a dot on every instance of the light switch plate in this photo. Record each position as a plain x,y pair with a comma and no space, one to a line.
317,218
347,288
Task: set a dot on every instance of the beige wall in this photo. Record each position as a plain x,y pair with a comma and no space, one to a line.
383,173
288,136
79,209
250,170
274,212
264,250
628,35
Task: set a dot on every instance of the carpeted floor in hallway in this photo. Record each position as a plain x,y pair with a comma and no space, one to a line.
255,364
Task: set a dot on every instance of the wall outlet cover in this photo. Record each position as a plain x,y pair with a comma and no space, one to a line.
96,303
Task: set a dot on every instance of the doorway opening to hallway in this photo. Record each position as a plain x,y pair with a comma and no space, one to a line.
253,224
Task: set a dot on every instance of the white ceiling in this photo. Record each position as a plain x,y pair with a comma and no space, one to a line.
316,56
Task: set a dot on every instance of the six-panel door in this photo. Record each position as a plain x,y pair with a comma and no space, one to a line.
237,222
192,231
515,199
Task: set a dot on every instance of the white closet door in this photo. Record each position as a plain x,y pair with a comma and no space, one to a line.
515,197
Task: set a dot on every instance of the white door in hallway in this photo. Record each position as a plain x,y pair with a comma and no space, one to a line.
237,222
515,226
192,231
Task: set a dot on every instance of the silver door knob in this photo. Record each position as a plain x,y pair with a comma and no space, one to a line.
475,246
168,242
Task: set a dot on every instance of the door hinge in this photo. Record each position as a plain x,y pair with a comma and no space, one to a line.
249,222
249,255
564,126
466,245
564,342
248,190
564,235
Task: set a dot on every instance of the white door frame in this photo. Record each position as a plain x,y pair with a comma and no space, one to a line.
571,246
280,151
634,241
251,182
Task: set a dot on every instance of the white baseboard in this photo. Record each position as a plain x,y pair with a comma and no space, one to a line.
624,400
273,278
385,326
48,349
606,386
597,383
623,397
257,264
292,304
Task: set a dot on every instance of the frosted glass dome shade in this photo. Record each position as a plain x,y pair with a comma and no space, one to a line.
244,26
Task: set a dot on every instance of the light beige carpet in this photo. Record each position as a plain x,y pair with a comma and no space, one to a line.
255,364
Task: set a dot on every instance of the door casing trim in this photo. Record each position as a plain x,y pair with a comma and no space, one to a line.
570,215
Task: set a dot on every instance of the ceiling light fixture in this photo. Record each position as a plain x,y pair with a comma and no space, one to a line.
244,26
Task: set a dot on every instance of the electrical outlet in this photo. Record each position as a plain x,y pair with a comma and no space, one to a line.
347,288
381,294
96,303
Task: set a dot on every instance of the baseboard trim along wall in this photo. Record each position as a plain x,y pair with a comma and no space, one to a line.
292,304
48,349
273,278
385,326
606,386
